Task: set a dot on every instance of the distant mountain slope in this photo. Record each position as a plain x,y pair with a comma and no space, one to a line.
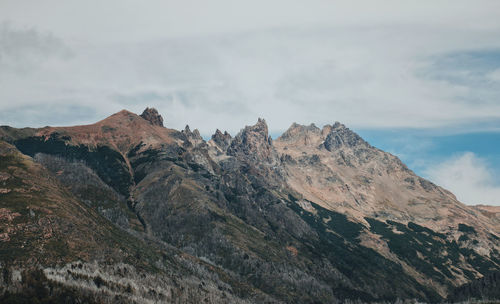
336,168
54,248
492,212
42,222
317,215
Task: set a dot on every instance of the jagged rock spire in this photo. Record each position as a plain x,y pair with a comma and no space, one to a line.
339,135
253,142
194,137
195,134
222,140
152,115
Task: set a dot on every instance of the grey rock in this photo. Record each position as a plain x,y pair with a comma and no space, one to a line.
152,115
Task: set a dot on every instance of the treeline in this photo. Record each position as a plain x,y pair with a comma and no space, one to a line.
486,288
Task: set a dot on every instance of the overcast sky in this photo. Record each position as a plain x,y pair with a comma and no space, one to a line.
421,66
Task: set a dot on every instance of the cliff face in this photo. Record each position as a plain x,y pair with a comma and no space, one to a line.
315,215
152,115
253,143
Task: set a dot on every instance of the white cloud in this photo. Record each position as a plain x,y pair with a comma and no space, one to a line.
468,177
22,51
274,59
130,20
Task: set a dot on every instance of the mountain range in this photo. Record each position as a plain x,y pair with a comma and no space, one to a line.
127,210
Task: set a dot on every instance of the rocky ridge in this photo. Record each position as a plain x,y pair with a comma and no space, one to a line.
315,215
222,141
253,142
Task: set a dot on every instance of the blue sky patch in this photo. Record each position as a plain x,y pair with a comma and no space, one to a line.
420,149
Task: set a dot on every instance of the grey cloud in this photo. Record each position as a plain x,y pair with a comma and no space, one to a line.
25,49
470,70
365,75
142,98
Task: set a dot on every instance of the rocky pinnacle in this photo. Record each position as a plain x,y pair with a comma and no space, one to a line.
151,115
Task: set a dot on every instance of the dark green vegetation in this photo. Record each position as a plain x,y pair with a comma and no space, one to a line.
229,225
339,237
42,224
106,162
488,288
430,252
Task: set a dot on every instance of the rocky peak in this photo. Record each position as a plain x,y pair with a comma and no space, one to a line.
298,130
152,115
193,136
222,140
340,136
260,128
326,130
196,134
301,134
254,142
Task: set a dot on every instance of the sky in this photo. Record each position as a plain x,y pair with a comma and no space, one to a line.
420,79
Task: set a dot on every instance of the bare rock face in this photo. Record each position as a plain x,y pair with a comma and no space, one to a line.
253,142
152,115
222,140
194,137
300,134
195,134
340,135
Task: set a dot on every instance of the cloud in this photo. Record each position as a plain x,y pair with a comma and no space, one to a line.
494,75
129,20
384,67
22,50
468,177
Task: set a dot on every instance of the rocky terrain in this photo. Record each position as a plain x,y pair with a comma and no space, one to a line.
128,210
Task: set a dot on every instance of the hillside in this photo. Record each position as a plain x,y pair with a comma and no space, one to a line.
55,248
317,215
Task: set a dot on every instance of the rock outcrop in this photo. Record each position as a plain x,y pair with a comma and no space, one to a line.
194,136
254,143
152,115
339,135
221,140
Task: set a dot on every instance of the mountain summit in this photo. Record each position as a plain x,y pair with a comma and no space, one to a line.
253,142
151,115
317,215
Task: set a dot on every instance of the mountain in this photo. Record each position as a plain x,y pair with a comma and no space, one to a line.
55,248
338,170
315,216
